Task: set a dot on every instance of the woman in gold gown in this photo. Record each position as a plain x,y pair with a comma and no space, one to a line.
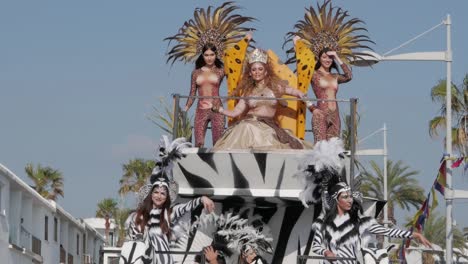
258,128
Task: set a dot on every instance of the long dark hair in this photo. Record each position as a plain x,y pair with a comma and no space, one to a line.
143,213
330,216
200,62
318,64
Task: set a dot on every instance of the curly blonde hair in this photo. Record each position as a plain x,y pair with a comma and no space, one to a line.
247,84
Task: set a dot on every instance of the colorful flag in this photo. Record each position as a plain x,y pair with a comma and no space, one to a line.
441,182
457,163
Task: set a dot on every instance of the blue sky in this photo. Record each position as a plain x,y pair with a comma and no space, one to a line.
79,78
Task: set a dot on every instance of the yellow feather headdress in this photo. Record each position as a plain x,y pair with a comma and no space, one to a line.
221,28
328,27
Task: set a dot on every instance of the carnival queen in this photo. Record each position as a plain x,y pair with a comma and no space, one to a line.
257,128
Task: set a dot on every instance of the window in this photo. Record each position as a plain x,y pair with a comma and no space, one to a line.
55,229
84,243
46,228
1,206
77,244
111,239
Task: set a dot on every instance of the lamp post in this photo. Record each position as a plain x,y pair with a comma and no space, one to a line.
380,152
446,56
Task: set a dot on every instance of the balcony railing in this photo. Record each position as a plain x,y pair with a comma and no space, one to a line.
36,245
25,238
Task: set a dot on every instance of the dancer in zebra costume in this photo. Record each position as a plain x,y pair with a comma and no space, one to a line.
156,214
342,230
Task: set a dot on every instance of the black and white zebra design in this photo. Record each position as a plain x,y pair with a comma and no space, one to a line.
256,184
155,239
342,238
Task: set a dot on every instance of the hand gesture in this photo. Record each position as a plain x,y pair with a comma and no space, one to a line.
423,240
332,54
249,35
295,39
329,254
208,204
211,255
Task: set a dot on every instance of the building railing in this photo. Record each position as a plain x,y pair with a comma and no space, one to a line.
302,259
352,108
116,251
36,245
25,238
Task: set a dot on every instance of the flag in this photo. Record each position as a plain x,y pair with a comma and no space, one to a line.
440,182
434,199
401,252
457,163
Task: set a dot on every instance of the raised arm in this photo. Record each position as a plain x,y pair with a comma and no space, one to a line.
193,89
180,209
347,76
369,224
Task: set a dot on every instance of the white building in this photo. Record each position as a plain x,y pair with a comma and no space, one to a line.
99,224
37,230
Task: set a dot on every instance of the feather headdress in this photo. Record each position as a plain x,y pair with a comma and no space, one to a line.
330,27
317,168
221,28
237,232
162,175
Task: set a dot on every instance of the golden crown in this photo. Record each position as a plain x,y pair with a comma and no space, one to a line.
258,55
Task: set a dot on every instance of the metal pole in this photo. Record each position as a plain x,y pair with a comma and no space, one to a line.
353,103
448,146
175,122
385,186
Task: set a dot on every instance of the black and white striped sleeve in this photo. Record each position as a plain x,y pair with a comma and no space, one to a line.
376,228
180,209
317,244
133,232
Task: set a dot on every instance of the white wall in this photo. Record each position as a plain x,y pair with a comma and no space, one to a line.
22,216
4,209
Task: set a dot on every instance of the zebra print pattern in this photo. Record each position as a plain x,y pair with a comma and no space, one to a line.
155,239
342,238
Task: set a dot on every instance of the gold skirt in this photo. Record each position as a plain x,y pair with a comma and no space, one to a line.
251,133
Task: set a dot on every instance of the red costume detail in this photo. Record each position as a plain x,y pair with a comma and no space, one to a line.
326,121
207,83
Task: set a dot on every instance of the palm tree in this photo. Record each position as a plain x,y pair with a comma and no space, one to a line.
107,209
459,113
136,174
165,120
120,218
403,189
48,182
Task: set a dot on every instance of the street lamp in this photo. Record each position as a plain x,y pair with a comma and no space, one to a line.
450,194
379,152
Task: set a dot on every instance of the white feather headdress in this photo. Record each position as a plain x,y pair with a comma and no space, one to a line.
169,152
319,166
238,232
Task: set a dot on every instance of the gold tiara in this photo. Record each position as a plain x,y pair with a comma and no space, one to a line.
258,55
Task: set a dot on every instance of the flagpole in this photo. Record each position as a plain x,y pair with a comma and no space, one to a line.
448,145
